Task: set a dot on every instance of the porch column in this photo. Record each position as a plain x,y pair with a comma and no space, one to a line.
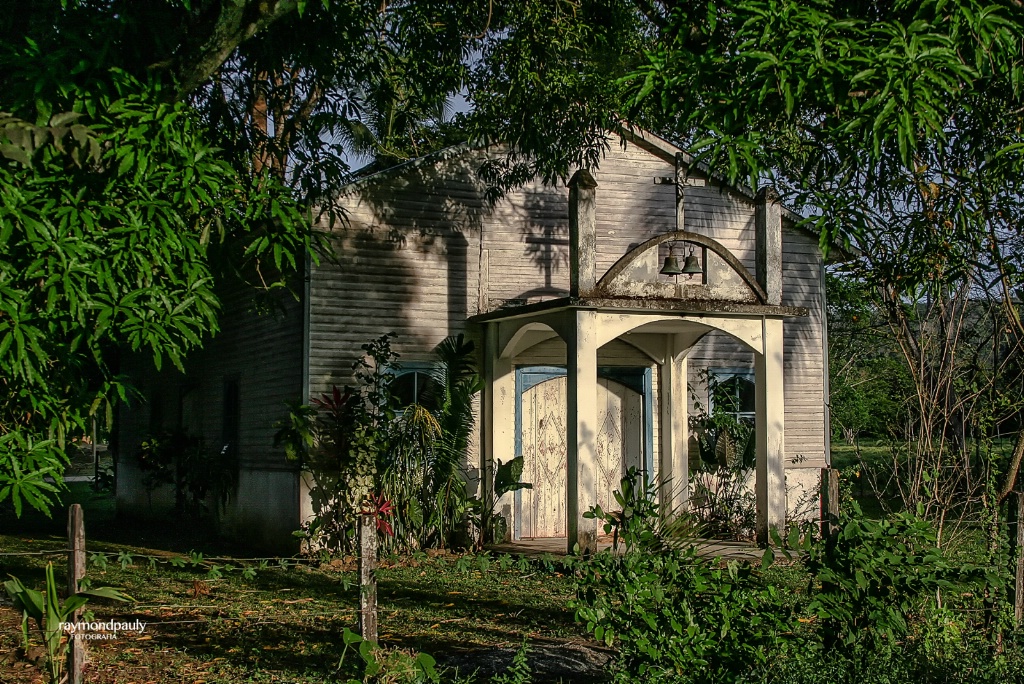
769,432
673,471
498,407
581,441
768,240
582,234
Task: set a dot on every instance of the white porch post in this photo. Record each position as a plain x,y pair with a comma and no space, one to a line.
673,473
769,432
581,442
498,412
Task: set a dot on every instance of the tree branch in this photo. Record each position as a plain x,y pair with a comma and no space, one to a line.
233,24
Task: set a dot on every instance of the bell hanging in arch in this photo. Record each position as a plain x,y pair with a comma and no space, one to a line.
691,266
671,265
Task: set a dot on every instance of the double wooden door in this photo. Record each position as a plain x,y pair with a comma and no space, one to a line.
540,511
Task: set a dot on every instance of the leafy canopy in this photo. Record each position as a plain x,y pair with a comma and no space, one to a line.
118,216
198,132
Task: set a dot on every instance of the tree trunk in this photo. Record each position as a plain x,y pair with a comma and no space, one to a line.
1014,469
1016,519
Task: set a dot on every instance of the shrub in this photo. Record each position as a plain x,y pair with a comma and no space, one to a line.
673,613
357,440
869,613
49,615
873,575
905,664
723,502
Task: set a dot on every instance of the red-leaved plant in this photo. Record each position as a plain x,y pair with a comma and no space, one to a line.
383,509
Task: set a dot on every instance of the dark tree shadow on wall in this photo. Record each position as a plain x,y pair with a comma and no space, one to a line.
442,206
411,236
429,197
545,237
459,289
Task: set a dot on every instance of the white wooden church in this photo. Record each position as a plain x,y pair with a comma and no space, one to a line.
593,352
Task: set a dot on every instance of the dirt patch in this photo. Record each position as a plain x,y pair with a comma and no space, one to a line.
570,663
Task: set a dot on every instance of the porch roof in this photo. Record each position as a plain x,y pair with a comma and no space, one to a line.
642,306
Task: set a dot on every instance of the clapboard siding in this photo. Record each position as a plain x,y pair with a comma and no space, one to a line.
804,372
728,218
631,208
407,263
262,352
422,250
526,238
418,289
527,245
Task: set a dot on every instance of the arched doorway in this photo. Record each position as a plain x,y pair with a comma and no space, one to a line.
623,442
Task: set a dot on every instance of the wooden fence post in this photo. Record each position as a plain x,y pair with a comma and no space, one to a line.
76,571
830,533
829,501
368,576
1016,525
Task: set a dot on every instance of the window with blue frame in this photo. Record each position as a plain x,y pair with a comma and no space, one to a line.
731,391
413,384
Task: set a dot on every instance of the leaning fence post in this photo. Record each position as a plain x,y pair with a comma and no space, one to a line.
368,576
1016,520
76,571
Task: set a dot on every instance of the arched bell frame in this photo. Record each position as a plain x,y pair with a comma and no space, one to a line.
620,267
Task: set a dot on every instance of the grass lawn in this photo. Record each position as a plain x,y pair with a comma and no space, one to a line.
282,625
878,455
845,455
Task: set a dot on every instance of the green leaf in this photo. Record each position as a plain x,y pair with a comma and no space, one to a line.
767,558
507,476
106,593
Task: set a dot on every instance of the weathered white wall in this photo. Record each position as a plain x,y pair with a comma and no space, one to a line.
804,387
263,352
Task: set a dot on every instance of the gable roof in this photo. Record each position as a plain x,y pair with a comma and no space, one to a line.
666,150
651,142
365,175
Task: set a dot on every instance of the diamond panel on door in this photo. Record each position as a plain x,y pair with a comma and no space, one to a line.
541,509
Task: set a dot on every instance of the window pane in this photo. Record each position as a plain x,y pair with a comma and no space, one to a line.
734,394
424,388
403,390
727,395
746,396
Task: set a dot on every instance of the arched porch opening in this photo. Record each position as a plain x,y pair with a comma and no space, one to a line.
665,339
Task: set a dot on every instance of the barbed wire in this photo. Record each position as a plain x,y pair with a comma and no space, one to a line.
221,567
33,553
217,567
